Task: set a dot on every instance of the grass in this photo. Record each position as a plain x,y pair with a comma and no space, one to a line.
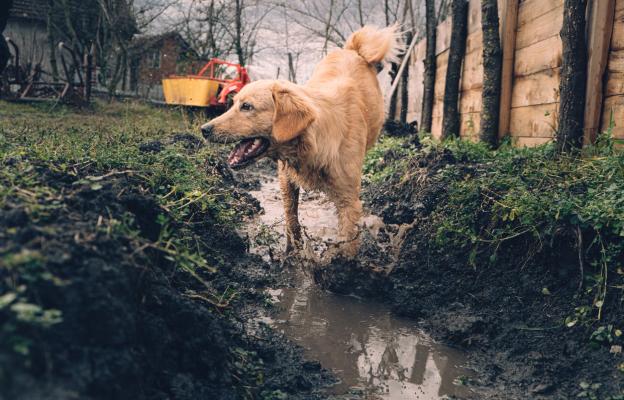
106,138
94,145
529,196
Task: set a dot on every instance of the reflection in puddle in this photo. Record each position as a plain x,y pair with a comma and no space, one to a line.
370,350
375,354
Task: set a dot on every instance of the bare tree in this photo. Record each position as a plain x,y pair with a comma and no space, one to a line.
459,31
492,69
430,67
573,76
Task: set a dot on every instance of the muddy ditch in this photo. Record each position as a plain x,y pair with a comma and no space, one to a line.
373,353
96,304
509,316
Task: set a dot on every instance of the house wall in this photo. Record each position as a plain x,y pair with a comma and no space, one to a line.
150,75
31,39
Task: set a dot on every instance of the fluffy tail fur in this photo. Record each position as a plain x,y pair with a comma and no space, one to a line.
376,45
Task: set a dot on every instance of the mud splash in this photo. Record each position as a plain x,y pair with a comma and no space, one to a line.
374,354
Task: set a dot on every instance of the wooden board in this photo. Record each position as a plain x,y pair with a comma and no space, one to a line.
530,141
474,42
508,46
437,108
615,105
443,36
470,101
472,72
470,125
419,52
532,9
440,76
540,28
615,84
540,88
616,61
600,27
474,16
436,127
415,90
539,56
617,39
534,121
442,59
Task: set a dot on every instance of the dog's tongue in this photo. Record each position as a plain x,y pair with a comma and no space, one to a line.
244,150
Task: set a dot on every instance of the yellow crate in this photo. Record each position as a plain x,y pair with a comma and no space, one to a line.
189,91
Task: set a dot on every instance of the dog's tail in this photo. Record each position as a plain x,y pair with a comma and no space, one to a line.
376,45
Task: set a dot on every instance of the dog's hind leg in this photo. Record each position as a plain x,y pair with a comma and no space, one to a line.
290,198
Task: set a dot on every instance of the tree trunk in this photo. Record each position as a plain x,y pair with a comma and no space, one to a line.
405,84
492,68
328,26
239,32
572,88
393,100
292,71
360,13
387,12
430,68
459,31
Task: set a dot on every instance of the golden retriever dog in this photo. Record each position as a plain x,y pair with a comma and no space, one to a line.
318,132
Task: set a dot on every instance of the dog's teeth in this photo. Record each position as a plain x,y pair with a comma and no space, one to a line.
256,142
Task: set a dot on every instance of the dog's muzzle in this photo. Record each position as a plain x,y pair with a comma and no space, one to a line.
207,131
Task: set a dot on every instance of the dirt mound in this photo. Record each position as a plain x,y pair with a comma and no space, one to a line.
97,303
508,301
398,129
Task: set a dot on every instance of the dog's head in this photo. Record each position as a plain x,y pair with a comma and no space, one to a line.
265,118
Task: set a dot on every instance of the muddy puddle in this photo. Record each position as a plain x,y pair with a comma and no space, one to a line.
374,354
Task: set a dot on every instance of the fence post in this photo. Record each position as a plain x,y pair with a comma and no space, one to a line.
508,44
600,28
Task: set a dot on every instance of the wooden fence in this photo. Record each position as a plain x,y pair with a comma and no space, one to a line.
533,52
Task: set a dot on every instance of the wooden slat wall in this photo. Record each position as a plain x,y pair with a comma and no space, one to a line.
614,89
537,66
535,94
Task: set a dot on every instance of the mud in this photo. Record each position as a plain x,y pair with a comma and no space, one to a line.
374,354
133,325
512,330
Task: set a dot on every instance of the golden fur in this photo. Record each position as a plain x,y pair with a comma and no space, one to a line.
318,132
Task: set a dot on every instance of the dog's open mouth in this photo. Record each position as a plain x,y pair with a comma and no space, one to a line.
246,151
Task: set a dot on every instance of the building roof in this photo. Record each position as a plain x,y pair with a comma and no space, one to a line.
36,10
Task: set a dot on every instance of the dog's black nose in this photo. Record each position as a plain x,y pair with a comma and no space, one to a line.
207,131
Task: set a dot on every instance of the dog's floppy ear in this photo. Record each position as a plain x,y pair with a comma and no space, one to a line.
293,113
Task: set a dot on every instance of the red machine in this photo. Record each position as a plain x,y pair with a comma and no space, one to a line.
217,81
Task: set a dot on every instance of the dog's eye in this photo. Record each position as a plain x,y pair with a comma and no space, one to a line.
246,107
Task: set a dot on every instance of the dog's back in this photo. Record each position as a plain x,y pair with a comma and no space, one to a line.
351,72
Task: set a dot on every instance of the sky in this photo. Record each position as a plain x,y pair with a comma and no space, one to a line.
287,29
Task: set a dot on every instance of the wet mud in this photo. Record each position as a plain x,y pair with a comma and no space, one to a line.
373,353
97,312
511,328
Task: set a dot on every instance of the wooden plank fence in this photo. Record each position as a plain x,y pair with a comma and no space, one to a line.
532,53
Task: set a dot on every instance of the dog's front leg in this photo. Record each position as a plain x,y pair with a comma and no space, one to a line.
290,197
349,213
